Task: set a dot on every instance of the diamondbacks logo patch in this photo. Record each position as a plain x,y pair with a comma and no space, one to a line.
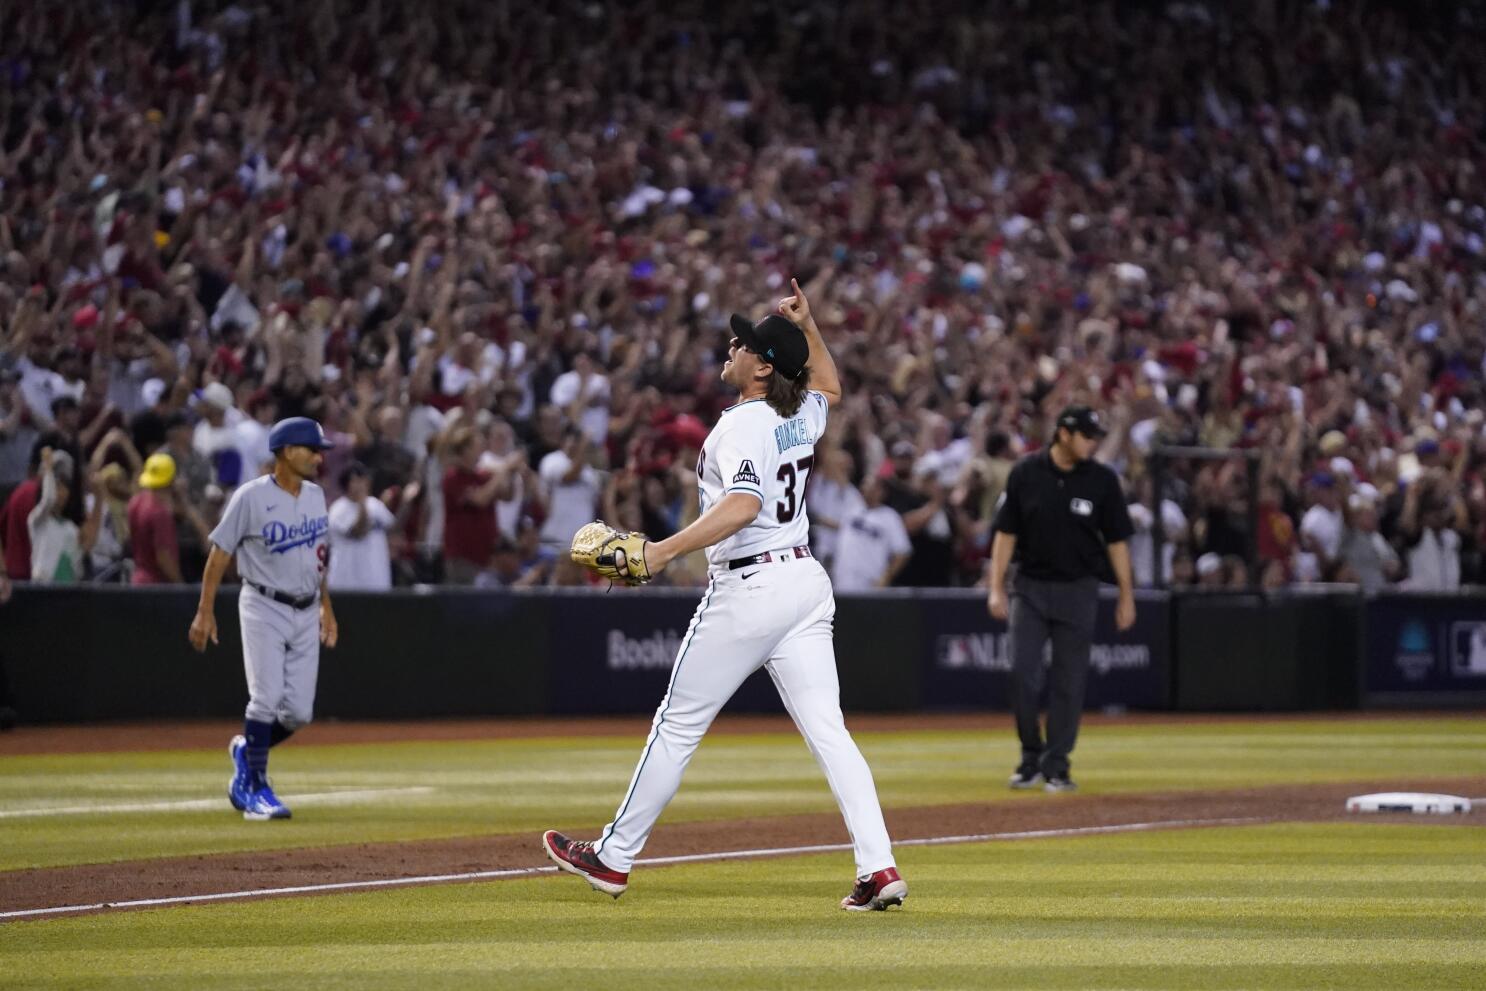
746,473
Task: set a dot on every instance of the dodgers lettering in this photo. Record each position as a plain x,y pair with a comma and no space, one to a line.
279,537
792,433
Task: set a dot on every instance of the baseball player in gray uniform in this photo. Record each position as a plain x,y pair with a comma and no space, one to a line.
768,604
278,527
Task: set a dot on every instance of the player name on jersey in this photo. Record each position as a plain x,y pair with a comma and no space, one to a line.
793,433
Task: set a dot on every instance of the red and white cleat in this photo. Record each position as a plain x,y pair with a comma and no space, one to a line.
578,858
876,892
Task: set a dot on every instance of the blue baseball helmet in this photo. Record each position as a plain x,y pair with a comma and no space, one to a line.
297,431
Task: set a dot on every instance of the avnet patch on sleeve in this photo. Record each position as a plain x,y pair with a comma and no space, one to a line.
746,473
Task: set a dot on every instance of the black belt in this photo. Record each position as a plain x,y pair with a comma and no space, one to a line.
284,597
767,556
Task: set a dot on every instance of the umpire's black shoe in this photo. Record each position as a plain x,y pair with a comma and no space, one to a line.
1059,782
1025,777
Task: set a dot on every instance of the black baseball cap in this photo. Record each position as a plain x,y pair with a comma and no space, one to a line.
1082,420
775,340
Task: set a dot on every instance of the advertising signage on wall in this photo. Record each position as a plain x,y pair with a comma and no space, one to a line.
936,650
968,656
992,652
1420,646
614,653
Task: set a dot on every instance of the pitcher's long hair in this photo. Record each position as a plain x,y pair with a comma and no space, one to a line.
785,395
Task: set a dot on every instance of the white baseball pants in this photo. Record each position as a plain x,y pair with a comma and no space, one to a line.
779,616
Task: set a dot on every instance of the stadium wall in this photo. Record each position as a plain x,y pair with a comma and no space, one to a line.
89,653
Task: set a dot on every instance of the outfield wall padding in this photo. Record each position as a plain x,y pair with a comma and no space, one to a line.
87,654
1250,652
92,653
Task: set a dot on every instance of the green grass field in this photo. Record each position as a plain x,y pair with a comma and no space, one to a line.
1345,905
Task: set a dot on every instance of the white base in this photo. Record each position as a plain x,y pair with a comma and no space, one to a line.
1408,801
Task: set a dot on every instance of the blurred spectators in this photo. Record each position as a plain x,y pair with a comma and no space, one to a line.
522,562
833,500
253,455
113,464
388,460
1321,528
215,437
1142,541
873,545
58,544
1252,226
1210,571
193,478
1433,515
63,437
16,514
571,488
1365,557
469,510
503,455
359,523
920,498
582,393
17,435
151,516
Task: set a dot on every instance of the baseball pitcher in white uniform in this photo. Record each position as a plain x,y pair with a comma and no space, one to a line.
768,603
278,528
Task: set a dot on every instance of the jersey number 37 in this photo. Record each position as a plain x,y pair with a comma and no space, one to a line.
793,476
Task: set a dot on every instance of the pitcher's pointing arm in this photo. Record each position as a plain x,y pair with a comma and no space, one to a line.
823,376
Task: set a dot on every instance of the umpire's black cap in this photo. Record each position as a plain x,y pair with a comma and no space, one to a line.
1082,420
775,340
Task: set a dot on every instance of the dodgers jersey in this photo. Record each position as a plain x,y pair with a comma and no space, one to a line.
281,542
755,450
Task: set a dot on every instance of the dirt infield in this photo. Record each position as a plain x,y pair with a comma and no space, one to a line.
185,876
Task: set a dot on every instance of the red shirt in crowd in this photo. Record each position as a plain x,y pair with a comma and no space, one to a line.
151,530
1277,537
469,530
17,511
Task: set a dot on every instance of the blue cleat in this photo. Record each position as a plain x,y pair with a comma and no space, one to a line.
263,804
239,790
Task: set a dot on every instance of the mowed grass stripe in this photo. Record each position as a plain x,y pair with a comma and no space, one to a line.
1255,907
509,786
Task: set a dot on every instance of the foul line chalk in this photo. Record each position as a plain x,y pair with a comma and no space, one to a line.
206,804
304,889
1034,834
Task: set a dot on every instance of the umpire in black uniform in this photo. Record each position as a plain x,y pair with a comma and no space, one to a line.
1063,520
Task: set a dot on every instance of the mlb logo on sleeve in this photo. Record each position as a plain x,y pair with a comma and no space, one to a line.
746,473
1081,507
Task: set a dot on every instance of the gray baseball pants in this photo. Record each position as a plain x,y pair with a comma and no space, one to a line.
1061,613
281,655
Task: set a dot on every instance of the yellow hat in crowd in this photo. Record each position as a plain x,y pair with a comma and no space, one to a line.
159,471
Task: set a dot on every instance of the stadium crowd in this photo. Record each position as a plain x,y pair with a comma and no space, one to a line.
493,247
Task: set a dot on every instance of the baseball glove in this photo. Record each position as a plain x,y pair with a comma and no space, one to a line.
611,553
